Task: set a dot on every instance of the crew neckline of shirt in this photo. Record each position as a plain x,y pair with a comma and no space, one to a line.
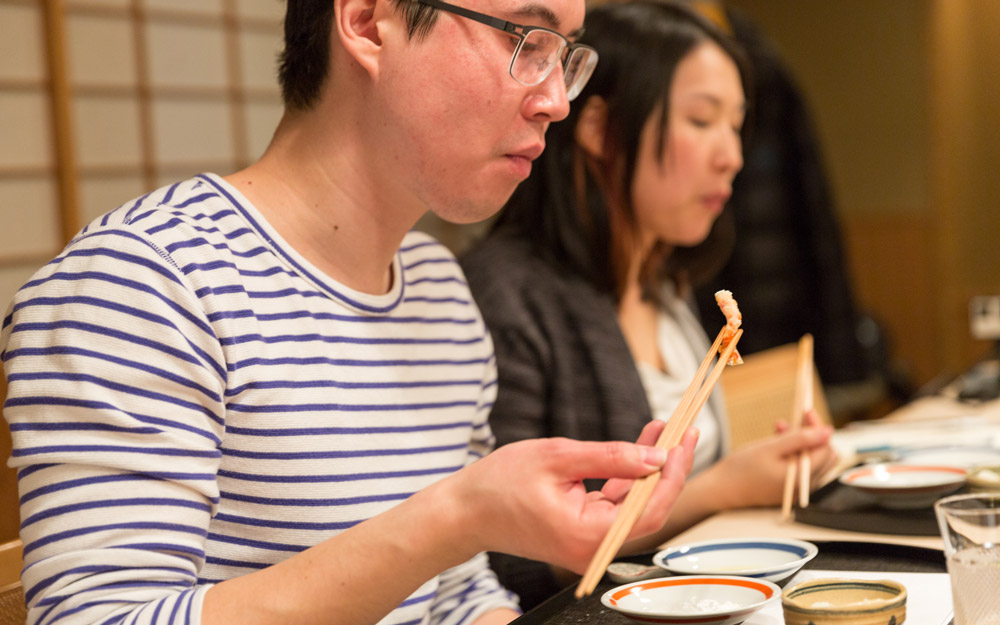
362,302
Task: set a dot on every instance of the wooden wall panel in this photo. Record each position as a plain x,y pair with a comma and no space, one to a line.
893,271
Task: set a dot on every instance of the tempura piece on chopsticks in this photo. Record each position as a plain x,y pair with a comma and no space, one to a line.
734,319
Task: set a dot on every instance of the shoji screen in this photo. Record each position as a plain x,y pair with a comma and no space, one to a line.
151,91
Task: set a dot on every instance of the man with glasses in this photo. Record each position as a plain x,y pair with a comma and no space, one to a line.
261,398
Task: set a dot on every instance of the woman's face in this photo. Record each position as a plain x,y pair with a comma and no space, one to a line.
678,198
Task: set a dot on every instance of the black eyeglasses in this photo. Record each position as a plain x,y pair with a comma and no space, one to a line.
538,50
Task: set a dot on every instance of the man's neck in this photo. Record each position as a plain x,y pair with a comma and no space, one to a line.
328,205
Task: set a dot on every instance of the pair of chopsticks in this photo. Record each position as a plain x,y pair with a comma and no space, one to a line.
802,404
635,502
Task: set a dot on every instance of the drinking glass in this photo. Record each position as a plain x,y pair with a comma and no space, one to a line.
970,527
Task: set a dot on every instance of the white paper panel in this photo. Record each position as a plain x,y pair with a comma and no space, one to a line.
107,131
202,7
262,119
29,214
186,56
191,131
99,195
259,56
262,9
22,52
101,50
24,127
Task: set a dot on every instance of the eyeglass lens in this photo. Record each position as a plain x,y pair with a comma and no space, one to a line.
541,50
579,66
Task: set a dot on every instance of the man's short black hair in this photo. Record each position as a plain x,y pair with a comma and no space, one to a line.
305,61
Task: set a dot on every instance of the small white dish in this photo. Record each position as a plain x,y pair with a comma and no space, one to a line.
905,486
694,599
771,559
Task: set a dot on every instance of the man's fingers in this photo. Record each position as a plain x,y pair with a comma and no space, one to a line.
651,432
615,489
609,460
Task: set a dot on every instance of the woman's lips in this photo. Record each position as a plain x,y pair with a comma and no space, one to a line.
716,201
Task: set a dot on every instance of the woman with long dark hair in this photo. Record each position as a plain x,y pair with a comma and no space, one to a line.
584,281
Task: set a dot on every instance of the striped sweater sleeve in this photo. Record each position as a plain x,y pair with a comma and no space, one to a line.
467,592
472,589
115,405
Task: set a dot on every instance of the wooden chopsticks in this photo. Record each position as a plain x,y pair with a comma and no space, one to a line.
635,502
802,404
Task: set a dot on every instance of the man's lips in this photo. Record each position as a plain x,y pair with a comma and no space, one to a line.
530,153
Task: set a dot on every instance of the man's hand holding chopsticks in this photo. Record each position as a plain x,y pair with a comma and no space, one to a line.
550,516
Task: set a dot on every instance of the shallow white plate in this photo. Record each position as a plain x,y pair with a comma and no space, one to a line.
904,486
692,599
772,559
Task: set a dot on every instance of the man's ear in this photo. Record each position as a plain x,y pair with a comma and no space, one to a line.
355,23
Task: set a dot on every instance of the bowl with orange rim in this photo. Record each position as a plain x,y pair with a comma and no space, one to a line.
692,599
904,486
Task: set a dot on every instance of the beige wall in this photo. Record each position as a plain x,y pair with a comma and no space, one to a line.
904,94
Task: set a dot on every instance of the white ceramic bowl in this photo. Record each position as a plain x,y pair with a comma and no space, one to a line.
771,559
905,486
692,599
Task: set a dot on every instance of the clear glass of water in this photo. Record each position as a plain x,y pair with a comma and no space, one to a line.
970,527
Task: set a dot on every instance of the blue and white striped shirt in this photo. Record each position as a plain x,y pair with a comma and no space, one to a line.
191,400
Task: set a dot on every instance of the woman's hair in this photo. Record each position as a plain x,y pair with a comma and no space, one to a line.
305,61
587,222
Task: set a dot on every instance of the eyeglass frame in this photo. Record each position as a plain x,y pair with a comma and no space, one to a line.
512,29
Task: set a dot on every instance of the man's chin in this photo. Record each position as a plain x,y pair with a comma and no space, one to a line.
473,212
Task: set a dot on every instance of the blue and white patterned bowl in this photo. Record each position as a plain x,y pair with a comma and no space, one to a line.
692,599
771,559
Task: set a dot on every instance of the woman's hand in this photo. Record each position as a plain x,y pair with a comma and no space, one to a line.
528,498
754,475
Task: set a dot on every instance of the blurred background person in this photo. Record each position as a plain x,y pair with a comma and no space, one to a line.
585,279
788,264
